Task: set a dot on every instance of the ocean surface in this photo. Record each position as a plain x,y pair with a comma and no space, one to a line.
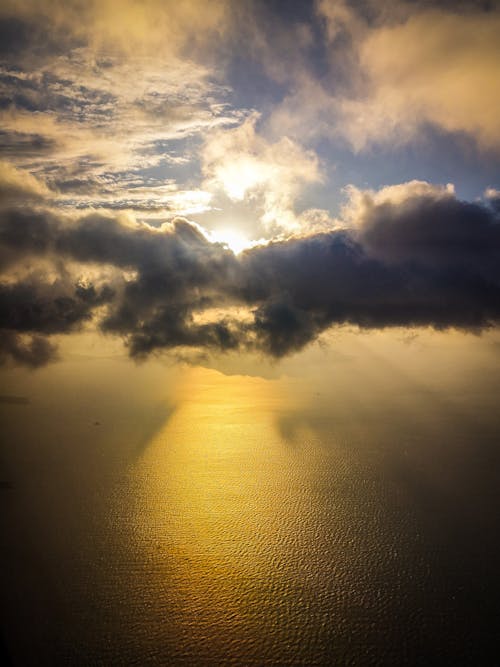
232,526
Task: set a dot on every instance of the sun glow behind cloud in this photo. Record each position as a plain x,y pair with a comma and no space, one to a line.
233,238
267,175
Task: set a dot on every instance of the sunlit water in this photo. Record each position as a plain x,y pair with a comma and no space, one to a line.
236,536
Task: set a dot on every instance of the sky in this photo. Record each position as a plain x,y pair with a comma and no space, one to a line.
197,178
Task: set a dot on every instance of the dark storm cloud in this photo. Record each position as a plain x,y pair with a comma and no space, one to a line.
24,232
178,272
423,260
435,232
31,310
418,259
32,306
307,285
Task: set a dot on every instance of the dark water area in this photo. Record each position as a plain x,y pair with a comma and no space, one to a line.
242,533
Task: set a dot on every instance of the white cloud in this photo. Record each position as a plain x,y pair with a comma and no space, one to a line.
246,167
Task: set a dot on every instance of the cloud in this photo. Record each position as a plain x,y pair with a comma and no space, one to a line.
33,351
90,92
409,255
149,28
429,225
87,123
18,184
159,278
437,66
382,72
247,167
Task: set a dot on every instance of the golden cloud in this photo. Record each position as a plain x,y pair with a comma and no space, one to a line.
247,166
436,67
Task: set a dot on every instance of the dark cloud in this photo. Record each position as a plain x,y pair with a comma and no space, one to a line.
425,261
33,352
25,144
178,272
24,232
434,231
46,92
46,308
22,37
420,259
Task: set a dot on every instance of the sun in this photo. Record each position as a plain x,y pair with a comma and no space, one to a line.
241,174
232,238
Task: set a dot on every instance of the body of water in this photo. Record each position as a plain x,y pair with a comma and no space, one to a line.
244,532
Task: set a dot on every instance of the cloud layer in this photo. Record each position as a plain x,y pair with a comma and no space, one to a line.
410,255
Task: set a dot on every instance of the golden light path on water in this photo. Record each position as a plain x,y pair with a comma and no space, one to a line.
255,547
208,468
215,487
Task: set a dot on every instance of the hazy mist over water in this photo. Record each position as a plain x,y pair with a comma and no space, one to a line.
167,514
